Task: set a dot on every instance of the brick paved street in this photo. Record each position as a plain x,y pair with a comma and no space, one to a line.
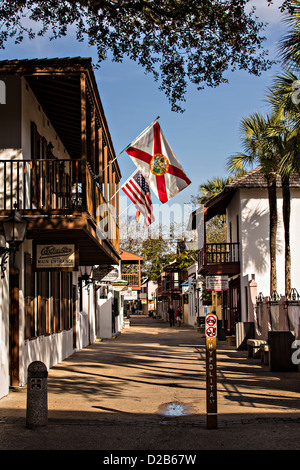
146,390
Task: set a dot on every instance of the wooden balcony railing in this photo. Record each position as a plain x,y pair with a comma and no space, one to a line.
133,280
217,253
222,255
63,187
172,285
169,286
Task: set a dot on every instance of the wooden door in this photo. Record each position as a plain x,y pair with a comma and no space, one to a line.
14,327
235,304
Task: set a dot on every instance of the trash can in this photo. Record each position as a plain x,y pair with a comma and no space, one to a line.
281,351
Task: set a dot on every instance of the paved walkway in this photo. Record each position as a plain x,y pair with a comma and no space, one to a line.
146,390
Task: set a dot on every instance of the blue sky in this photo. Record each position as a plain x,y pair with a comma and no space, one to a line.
204,136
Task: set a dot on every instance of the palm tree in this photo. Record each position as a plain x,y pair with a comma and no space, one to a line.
261,149
212,188
289,45
282,96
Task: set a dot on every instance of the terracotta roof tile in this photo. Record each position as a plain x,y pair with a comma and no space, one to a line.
256,179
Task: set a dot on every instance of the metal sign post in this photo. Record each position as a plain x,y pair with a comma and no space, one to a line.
211,371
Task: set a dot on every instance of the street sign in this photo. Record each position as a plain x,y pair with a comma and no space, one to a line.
211,370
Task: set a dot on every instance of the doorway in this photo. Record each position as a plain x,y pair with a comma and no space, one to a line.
14,327
234,305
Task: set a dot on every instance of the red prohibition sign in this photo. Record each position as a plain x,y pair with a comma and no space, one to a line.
211,332
211,320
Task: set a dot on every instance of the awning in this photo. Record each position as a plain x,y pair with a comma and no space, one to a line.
189,281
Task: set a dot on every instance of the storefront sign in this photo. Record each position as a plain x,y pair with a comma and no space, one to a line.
129,295
105,273
56,257
120,285
217,283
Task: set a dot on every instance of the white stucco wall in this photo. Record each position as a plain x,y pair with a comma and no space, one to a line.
252,208
32,111
16,115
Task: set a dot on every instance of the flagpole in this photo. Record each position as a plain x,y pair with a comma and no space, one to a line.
129,145
125,209
123,185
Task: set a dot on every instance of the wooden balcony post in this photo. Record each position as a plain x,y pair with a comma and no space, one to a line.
110,182
93,140
139,274
105,179
118,204
83,136
114,189
100,151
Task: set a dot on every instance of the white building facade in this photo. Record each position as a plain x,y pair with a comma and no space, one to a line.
53,139
245,257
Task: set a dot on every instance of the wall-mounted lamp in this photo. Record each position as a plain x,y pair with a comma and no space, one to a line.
14,229
85,273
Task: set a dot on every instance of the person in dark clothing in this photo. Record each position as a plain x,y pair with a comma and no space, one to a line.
171,313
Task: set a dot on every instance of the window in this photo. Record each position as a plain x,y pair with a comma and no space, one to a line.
48,301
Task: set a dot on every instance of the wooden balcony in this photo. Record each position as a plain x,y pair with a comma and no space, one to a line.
134,280
219,258
62,201
134,262
167,286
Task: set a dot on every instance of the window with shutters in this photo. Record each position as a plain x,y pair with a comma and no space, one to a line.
29,295
48,301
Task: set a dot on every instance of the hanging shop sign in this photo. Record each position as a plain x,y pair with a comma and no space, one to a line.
55,257
129,295
106,273
217,283
120,285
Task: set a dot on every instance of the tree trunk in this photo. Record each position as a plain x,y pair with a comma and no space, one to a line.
286,210
273,231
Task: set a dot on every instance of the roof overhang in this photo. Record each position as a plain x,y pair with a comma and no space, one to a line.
56,84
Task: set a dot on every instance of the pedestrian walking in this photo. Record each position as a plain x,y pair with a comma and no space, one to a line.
178,316
171,313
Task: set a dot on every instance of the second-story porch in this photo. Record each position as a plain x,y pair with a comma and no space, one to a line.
219,259
216,258
61,201
57,157
131,269
170,281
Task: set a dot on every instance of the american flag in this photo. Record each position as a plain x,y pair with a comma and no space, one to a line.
138,191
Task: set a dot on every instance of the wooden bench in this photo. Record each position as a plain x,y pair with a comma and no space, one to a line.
253,346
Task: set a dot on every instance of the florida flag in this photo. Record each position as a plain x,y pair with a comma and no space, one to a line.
155,159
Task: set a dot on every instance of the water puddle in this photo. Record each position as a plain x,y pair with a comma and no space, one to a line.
175,409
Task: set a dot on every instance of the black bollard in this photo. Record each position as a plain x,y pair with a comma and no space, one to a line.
37,395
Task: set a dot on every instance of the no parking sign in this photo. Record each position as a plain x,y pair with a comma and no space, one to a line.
211,370
211,326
